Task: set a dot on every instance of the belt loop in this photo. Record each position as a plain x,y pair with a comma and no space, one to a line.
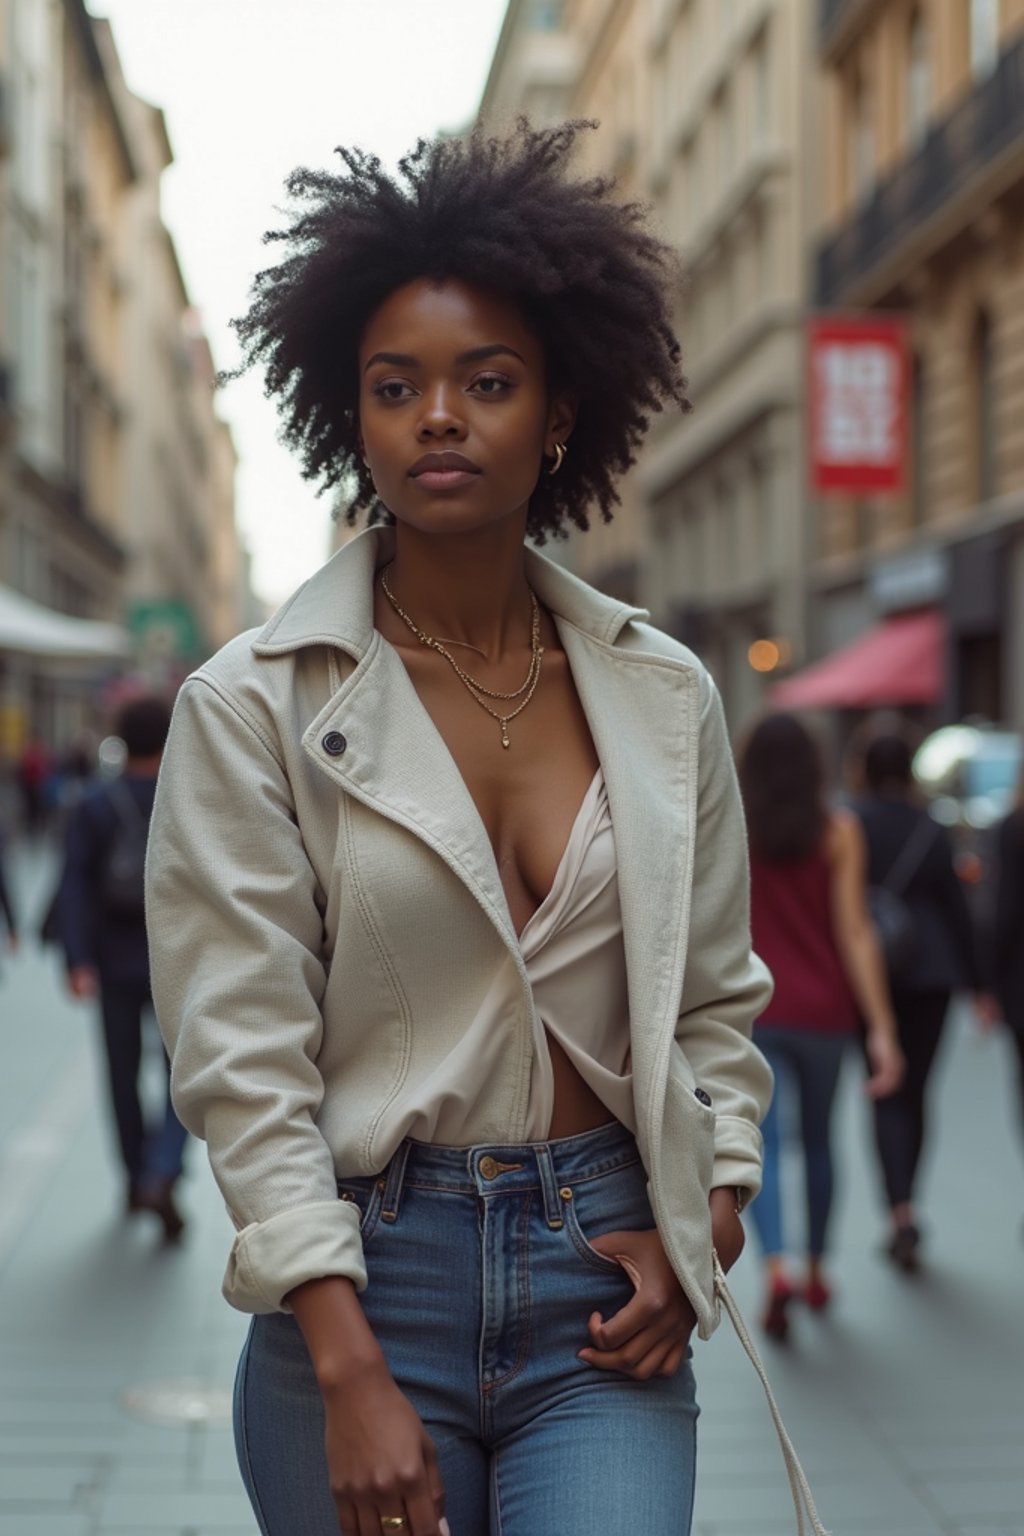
394,1183
549,1185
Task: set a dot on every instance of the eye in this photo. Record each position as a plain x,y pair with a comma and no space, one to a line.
489,384
392,389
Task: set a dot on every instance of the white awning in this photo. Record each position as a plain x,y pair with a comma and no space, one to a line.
27,628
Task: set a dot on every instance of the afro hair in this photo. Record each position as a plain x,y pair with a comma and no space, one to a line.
506,215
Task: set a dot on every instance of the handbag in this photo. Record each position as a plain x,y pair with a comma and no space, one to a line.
890,912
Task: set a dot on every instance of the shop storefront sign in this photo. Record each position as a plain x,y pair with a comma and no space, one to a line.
910,581
858,405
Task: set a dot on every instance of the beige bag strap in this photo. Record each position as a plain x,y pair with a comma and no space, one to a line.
799,1486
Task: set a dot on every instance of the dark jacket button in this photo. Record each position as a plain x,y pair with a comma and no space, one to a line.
705,1098
334,743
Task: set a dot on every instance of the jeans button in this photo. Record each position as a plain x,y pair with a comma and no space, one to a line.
488,1167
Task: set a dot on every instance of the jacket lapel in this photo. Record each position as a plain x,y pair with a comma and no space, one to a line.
396,762
643,714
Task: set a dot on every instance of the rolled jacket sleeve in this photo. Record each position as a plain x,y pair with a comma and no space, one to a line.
726,985
234,913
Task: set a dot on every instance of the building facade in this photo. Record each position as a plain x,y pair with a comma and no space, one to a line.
703,113
726,552
116,482
533,68
923,213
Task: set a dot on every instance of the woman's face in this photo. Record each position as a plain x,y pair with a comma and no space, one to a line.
454,410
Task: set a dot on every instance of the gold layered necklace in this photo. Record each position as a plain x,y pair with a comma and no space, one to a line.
476,689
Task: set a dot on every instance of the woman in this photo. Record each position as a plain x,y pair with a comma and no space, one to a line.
1008,929
448,889
810,924
944,959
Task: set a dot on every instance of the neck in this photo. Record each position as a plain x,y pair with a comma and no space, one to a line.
469,588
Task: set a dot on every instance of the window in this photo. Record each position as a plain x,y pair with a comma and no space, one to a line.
546,15
727,130
984,36
762,89
919,80
918,407
862,138
984,408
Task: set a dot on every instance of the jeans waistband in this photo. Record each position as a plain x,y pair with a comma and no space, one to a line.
503,1168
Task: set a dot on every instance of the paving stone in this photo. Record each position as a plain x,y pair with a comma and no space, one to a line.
181,1511
50,1482
35,1522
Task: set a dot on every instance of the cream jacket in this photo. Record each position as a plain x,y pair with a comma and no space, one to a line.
324,909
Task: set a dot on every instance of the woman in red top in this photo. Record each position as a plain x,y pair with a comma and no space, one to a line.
811,927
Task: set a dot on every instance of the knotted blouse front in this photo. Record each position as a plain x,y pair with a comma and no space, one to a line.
572,948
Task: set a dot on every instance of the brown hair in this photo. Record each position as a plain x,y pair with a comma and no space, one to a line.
782,780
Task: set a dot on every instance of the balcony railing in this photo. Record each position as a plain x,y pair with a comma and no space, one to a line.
987,121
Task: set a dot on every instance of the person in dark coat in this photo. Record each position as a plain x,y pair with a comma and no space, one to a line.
6,907
1008,946
944,959
102,926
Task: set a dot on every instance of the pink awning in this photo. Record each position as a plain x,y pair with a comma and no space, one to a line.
898,661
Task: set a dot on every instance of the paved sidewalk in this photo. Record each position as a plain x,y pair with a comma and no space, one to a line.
906,1403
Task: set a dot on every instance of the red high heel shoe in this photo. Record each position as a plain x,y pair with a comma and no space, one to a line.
816,1295
775,1319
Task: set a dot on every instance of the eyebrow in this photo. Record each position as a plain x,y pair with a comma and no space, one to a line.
474,355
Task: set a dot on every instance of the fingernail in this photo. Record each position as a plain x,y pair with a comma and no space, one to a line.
445,1528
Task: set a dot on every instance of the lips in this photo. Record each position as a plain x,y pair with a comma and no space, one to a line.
448,466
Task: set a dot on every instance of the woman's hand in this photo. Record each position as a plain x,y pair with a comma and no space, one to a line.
380,1459
649,1336
886,1062
727,1232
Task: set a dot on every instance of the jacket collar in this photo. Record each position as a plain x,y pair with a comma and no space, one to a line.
335,606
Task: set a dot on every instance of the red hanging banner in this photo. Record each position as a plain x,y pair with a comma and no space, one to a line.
858,391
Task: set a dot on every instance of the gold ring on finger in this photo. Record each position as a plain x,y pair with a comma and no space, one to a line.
392,1522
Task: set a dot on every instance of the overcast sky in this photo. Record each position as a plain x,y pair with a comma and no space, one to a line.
252,88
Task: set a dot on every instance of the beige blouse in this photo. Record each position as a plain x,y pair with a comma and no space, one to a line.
573,951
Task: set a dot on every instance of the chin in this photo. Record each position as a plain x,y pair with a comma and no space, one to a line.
447,516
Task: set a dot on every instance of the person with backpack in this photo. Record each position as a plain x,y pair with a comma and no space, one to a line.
910,860
101,922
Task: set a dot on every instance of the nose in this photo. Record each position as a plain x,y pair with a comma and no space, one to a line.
440,415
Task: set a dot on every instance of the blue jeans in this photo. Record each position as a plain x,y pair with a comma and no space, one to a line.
811,1063
154,1152
481,1281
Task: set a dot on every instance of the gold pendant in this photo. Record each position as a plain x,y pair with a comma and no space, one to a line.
504,733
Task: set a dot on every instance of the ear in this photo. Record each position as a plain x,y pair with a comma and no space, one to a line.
561,420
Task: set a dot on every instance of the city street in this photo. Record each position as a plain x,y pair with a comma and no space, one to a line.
906,1402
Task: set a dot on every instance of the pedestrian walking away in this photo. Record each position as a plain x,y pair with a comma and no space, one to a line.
1008,950
6,905
100,921
941,957
810,923
448,889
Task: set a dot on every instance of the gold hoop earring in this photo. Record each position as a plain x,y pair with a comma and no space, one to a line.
559,452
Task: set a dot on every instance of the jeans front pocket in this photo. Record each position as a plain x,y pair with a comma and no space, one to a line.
366,1193
611,1202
